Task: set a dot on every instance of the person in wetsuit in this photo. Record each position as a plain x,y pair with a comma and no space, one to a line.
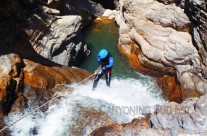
105,60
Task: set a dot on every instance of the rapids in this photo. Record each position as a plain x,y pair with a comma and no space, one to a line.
83,110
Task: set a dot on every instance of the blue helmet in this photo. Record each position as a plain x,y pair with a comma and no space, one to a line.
103,53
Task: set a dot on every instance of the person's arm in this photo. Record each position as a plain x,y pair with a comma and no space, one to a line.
111,62
98,59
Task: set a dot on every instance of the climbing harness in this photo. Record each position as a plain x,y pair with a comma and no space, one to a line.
51,100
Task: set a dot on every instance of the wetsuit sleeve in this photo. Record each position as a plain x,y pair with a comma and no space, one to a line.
111,62
98,59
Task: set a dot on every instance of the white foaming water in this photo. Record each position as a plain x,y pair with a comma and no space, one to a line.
62,115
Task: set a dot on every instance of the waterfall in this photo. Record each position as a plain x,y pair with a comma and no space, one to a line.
83,110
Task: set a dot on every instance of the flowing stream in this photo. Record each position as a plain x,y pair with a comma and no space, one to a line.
82,110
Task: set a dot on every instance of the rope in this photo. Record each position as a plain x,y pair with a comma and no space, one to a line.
51,100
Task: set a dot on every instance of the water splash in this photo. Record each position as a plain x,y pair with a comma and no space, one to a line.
89,108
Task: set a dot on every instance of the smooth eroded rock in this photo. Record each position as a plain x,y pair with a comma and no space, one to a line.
39,76
161,32
57,39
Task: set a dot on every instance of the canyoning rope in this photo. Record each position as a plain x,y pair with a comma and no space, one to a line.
51,100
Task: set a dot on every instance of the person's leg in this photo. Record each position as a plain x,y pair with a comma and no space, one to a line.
95,82
108,74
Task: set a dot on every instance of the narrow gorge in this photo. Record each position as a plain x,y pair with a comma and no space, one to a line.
158,87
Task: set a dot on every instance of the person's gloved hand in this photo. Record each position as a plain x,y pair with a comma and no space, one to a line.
103,68
99,71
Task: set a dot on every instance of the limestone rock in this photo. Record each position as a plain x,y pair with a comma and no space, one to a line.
49,10
111,14
59,42
161,32
87,115
132,128
190,116
19,105
196,10
51,28
10,81
9,64
168,1
40,27
170,88
88,8
4,83
43,77
201,105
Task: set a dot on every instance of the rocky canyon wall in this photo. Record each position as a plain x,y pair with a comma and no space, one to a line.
167,41
52,29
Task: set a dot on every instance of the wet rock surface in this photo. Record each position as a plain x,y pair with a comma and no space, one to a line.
123,129
11,81
187,118
162,33
86,118
45,77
